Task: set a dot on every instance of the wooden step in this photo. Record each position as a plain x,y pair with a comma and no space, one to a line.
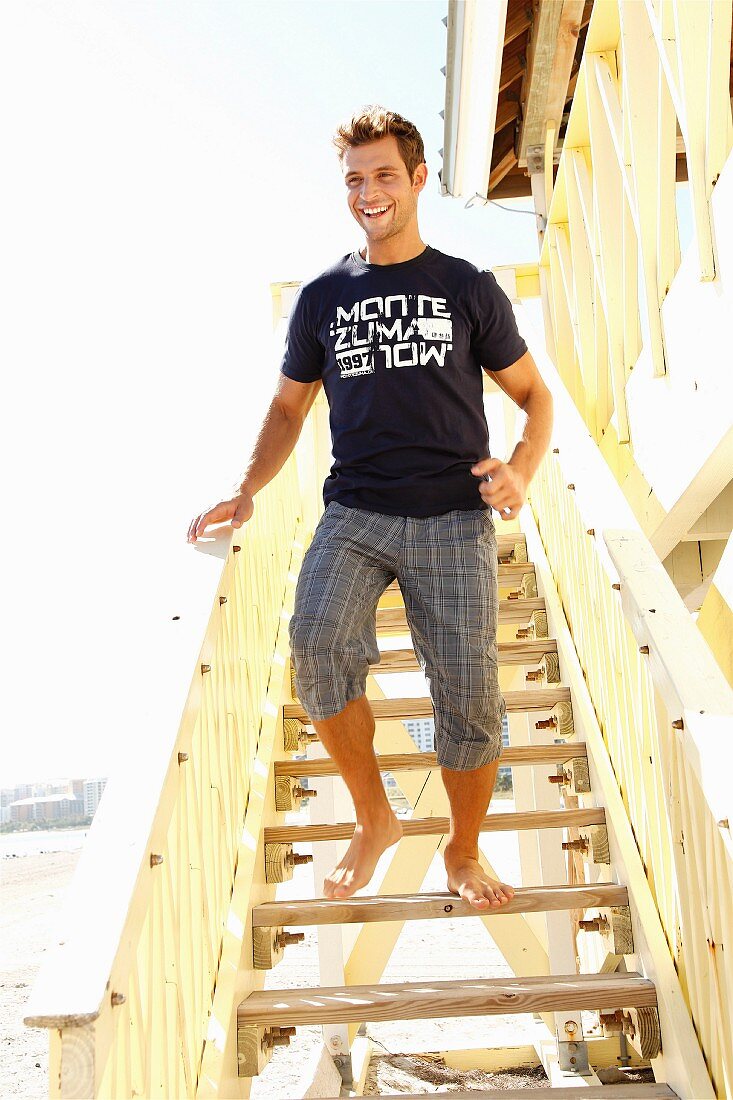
509,574
652,1090
432,906
430,1000
421,706
506,543
436,826
394,619
510,653
512,756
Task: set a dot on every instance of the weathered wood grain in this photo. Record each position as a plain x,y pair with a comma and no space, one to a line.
528,899
431,1000
435,826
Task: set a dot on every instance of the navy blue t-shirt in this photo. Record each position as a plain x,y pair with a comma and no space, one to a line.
400,349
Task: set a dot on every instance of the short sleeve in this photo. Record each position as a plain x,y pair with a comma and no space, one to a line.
303,355
495,339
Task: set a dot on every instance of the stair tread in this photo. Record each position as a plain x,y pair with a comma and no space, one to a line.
510,653
436,826
432,905
505,541
422,705
510,611
644,1090
507,571
511,755
461,997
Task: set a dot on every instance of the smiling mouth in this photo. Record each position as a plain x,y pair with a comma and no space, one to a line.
374,213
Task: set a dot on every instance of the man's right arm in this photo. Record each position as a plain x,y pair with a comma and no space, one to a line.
277,437
279,432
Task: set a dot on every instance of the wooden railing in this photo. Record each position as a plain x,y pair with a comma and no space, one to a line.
154,951
618,293
665,711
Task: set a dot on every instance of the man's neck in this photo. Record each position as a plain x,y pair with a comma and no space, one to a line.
392,251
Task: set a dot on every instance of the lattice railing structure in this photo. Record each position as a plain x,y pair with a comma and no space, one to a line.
665,711
136,994
611,248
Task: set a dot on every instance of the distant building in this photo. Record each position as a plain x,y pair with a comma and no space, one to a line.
92,793
505,743
422,732
50,807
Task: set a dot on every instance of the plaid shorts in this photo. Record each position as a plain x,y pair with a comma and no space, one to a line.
447,569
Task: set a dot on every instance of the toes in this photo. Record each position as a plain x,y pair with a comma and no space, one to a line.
477,899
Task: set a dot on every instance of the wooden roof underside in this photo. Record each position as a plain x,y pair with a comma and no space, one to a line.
543,47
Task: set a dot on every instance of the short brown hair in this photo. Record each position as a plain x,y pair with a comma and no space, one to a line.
373,122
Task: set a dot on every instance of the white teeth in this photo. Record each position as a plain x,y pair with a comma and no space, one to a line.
375,209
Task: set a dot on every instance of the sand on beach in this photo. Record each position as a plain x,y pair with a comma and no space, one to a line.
32,888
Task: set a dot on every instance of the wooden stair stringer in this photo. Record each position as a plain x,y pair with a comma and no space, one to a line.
409,864
683,1061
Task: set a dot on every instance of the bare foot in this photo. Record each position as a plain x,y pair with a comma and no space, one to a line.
467,878
360,860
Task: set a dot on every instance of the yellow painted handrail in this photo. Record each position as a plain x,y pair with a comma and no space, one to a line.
129,989
664,708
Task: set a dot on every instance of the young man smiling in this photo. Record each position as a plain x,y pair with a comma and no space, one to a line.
398,334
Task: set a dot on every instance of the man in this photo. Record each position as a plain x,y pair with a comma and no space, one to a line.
398,334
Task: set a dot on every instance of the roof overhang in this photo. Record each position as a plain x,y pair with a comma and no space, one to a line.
510,75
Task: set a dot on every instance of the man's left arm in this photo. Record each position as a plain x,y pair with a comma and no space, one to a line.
510,480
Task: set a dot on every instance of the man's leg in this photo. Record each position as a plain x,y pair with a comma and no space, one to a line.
348,738
469,794
333,642
450,581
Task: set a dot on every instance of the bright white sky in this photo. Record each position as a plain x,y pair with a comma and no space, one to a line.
163,163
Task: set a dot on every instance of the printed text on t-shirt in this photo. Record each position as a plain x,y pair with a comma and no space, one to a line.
401,330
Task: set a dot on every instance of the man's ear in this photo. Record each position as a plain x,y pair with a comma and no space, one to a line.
420,177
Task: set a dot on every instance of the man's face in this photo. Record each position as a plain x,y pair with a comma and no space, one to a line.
376,177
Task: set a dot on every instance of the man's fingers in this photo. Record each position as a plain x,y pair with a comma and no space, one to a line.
192,528
486,466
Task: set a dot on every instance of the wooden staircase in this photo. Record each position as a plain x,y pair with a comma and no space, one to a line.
626,1001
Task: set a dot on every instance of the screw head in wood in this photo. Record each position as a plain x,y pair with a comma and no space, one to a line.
222,600
571,485
155,859
678,724
643,649
295,859
616,585
290,937
556,450
182,757
118,999
591,531
575,845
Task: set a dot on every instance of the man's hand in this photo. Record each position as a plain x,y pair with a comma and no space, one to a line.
238,509
507,488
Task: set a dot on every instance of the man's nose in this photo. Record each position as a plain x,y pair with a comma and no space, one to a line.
368,191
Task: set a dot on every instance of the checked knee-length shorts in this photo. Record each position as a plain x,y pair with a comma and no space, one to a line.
447,569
